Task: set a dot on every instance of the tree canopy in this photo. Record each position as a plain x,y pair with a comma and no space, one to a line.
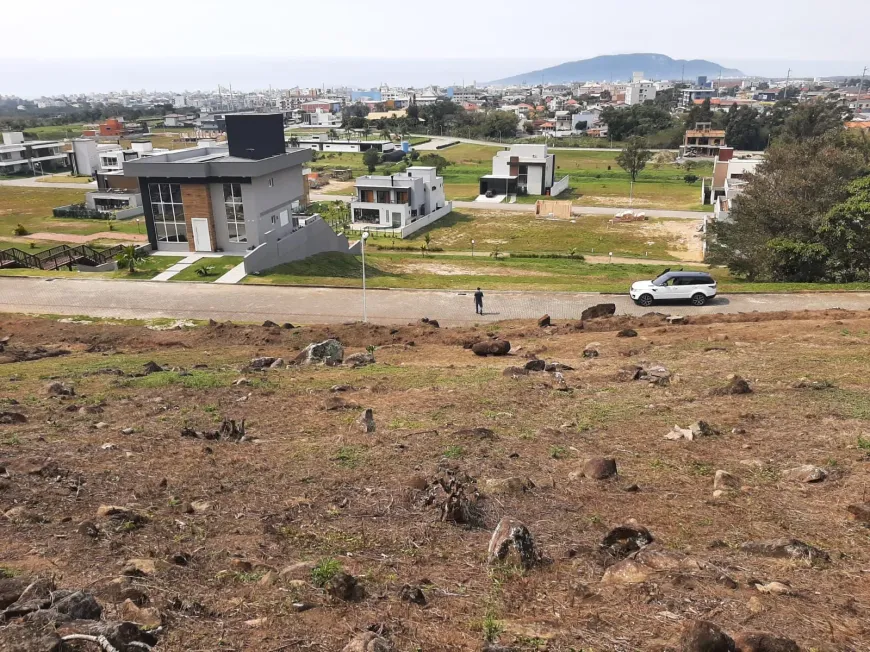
633,157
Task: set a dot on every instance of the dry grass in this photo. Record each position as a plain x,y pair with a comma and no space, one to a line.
314,487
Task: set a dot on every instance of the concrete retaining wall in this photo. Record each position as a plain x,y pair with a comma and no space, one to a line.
560,186
283,245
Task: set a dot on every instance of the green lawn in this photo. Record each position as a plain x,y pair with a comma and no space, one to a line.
56,132
522,232
63,178
385,270
219,267
596,179
31,207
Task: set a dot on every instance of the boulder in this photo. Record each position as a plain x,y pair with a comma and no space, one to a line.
11,589
785,549
140,567
514,372
553,367
277,364
512,534
148,617
491,347
430,322
657,375
79,606
536,365
704,636
736,385
56,388
514,485
725,481
544,321
328,352
368,642
344,586
764,642
627,571
366,421
359,360
9,418
631,372
598,310
805,473
591,350
261,363
27,637
269,324
599,468
412,594
625,539
151,368
627,332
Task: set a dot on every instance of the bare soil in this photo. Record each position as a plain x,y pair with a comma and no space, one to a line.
308,484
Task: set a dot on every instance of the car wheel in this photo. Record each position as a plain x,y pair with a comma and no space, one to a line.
645,300
699,299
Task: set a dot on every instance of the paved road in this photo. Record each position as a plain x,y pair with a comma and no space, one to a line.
147,299
530,208
33,182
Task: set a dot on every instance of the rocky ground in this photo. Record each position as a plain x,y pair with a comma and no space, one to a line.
621,483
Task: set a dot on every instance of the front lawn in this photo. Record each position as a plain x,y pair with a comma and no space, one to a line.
217,267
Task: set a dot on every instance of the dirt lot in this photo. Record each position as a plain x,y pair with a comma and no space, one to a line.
241,545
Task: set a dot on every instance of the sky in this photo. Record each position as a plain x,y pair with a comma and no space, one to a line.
90,46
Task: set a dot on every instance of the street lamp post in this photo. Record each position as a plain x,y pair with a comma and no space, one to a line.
365,236
472,248
137,225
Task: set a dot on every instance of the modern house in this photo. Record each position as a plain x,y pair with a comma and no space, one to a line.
402,203
241,198
19,156
523,170
729,176
116,194
321,118
703,140
323,143
689,95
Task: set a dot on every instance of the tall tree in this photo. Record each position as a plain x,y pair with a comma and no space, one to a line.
371,158
633,157
813,119
845,231
743,130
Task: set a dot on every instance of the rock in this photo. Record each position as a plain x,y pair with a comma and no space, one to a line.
127,431
806,473
553,367
139,567
725,481
368,642
736,385
11,589
718,493
366,421
805,383
256,622
763,642
412,594
591,351
122,514
79,606
100,425
629,373
785,549
328,352
241,381
21,515
337,403
261,363
704,636
88,529
859,513
340,388
696,430
119,589
431,322
676,319
151,368
753,463
627,571
513,485
657,375
90,409
632,488
475,433
626,539
269,324
26,637
287,326
598,310
536,365
344,586
515,372
297,571
544,321
9,418
513,534
599,468
359,360
755,605
59,389
200,506
627,332
491,347
241,565
277,364
148,617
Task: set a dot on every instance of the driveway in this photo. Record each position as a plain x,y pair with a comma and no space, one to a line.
309,305
33,182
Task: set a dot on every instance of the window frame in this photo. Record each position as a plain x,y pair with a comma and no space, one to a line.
167,214
234,207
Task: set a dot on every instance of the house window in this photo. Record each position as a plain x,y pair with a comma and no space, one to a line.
168,212
235,212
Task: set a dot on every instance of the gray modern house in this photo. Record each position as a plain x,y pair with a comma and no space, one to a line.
240,199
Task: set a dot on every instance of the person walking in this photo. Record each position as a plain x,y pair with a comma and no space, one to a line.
478,302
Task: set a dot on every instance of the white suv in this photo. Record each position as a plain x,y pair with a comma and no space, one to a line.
697,287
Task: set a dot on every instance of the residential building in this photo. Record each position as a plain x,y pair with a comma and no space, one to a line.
689,95
327,106
703,140
112,127
84,159
239,198
323,143
321,118
729,175
522,169
586,119
403,202
427,96
639,92
116,194
769,95
19,156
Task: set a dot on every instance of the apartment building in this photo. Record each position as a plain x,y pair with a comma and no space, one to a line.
19,156
703,140
403,202
639,92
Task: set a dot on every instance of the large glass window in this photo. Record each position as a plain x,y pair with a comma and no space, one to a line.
168,212
235,212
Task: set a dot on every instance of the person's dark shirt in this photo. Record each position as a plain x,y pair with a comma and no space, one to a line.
478,297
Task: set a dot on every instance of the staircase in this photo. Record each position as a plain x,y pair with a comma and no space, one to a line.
58,257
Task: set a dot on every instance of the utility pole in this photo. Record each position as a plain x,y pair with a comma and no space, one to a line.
787,80
860,88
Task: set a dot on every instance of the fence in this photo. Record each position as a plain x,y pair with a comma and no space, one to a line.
58,257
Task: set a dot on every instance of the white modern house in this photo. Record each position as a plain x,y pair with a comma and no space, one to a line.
323,143
729,179
399,203
30,156
523,169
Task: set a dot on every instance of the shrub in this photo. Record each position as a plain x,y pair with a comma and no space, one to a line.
205,270
690,178
324,571
20,230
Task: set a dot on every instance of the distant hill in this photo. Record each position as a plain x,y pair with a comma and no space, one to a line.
620,67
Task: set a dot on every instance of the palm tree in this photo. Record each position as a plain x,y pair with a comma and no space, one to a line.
130,256
294,141
427,239
386,135
333,134
366,131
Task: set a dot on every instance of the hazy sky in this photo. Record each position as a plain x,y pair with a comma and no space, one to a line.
491,37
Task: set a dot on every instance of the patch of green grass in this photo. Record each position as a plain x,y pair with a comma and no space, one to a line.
324,571
194,380
347,456
217,268
12,440
863,443
558,452
63,178
150,267
454,452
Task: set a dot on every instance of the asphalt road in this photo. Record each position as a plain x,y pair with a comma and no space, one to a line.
146,299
